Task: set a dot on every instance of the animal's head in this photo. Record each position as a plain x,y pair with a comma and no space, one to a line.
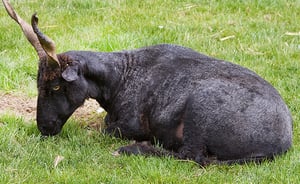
61,86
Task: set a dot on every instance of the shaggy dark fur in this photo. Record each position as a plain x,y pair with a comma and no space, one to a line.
195,106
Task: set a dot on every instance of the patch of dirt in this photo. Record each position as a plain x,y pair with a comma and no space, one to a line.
89,114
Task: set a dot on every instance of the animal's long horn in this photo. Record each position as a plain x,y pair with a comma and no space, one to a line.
41,43
47,44
26,28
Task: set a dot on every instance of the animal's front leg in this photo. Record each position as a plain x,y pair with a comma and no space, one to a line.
144,148
130,129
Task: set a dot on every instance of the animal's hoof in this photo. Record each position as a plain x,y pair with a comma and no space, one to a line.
116,153
130,150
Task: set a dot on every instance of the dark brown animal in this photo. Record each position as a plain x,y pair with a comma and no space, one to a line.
195,106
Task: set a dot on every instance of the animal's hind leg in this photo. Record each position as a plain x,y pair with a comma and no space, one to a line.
194,147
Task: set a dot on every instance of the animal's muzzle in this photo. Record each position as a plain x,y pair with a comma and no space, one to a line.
49,129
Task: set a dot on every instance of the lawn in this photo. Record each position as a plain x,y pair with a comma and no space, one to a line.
263,36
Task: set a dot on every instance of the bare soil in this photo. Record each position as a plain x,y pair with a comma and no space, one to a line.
25,107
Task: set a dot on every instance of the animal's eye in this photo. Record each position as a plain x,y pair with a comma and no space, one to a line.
55,88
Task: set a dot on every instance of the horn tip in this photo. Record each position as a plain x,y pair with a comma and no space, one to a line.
34,16
34,20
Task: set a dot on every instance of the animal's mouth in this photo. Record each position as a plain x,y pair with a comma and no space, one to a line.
48,134
50,129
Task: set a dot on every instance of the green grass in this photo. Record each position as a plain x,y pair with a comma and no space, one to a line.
257,39
25,157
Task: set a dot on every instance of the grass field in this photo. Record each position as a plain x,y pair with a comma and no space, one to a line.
263,36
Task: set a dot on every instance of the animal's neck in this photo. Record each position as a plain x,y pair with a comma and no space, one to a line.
103,72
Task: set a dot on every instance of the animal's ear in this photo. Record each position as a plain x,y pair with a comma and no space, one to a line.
70,73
